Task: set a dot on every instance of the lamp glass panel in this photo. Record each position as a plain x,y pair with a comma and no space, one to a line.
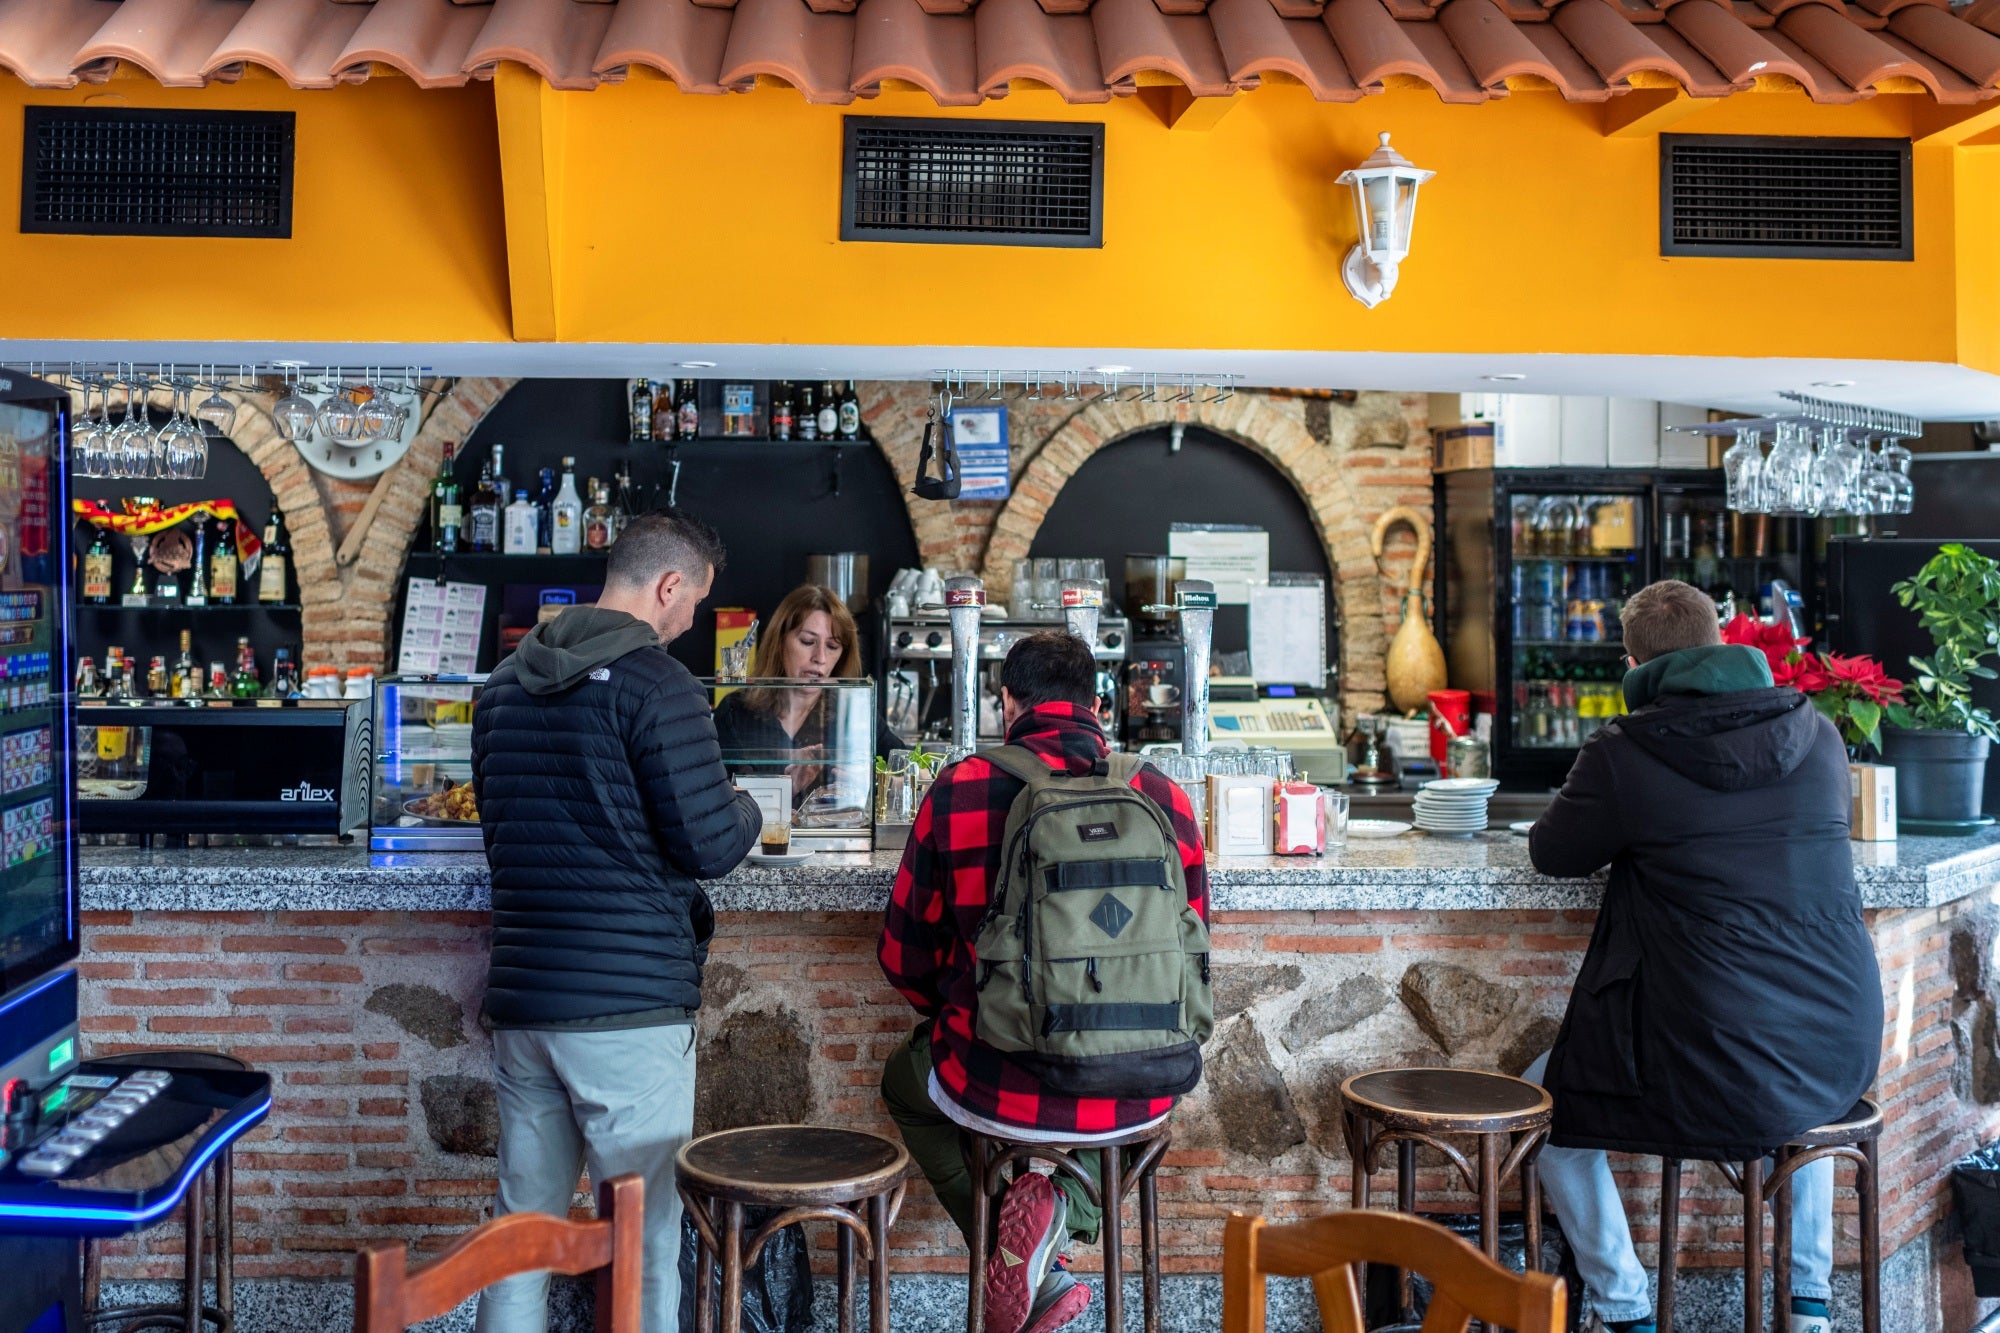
1406,210
1381,214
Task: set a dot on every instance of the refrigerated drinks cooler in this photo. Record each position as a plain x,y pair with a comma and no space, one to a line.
1536,566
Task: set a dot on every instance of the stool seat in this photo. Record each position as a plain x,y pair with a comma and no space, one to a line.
789,1165
1862,1123
1448,1101
170,1059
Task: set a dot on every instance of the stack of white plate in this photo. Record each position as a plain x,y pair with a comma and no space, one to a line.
1454,807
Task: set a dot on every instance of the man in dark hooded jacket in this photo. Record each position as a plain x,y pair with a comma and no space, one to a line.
604,802
1730,998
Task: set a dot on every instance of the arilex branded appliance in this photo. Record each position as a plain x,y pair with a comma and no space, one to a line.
85,1150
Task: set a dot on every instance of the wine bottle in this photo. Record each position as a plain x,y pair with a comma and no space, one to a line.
271,585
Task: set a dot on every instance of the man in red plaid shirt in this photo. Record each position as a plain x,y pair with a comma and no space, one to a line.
942,1081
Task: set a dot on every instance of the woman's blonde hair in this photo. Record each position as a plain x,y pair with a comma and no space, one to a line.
799,603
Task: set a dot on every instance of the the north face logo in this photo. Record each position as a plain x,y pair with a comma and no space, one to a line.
601,673
1110,915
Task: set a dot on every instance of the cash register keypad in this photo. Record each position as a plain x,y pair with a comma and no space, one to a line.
83,1132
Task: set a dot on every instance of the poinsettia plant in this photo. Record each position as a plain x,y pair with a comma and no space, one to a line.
1852,692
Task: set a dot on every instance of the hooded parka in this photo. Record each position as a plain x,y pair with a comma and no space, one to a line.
1730,997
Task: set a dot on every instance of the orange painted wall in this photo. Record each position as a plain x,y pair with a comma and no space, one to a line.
688,219
396,229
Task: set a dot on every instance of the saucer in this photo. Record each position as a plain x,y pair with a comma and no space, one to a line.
1376,828
757,858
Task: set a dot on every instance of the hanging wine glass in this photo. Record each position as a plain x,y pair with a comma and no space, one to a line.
216,412
340,416
132,441
87,432
1743,473
1790,483
1834,471
1878,483
381,418
295,413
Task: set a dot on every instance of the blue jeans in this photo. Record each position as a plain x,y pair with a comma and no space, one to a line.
1577,1183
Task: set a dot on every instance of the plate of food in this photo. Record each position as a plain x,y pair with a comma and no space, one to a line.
454,806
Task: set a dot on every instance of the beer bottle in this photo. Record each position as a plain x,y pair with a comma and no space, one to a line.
97,570
850,413
805,416
829,412
781,411
446,512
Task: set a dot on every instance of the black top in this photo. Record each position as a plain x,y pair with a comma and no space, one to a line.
1730,998
758,744
603,801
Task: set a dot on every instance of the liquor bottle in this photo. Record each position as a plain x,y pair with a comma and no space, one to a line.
500,473
687,413
187,676
222,563
599,530
566,514
87,684
642,410
781,411
521,525
545,505
156,678
97,570
805,415
277,555
622,501
284,676
850,413
829,412
483,527
663,413
218,681
115,688
243,682
446,512
197,593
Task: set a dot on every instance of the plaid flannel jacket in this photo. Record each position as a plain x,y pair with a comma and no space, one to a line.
949,867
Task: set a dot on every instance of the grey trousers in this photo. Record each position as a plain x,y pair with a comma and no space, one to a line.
618,1102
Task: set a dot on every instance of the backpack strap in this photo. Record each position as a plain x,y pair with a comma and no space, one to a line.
1125,766
1018,762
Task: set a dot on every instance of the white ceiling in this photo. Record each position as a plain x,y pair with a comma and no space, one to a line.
1931,390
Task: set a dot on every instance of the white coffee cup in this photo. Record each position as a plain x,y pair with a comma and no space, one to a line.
1162,696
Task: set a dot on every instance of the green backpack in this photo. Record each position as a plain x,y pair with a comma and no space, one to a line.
1093,967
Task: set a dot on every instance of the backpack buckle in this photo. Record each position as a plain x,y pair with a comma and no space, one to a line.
1101,767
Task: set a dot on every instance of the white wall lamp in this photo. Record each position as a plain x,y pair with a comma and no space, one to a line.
1385,204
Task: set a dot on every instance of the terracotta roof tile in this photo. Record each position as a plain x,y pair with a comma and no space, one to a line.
833,51
896,39
1256,41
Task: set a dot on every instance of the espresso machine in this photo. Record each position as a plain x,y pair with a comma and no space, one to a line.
1156,672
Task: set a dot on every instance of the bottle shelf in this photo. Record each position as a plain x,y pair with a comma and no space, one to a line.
1570,643
725,441
166,604
1625,559
484,565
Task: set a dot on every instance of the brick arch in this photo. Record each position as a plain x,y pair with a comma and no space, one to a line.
1340,511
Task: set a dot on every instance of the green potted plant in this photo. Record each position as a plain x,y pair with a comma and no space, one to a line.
1938,738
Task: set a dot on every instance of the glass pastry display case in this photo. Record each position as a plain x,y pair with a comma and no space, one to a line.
423,798
809,741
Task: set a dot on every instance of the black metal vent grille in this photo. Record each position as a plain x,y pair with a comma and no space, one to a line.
1750,196
972,183
117,172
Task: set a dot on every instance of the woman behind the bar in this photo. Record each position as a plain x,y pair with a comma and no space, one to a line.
812,636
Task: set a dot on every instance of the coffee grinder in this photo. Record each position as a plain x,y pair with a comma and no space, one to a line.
964,600
1156,670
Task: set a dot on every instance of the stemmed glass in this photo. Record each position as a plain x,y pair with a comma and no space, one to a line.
131,443
1743,473
1790,483
87,432
339,416
1835,470
1878,482
183,446
381,416
216,412
294,414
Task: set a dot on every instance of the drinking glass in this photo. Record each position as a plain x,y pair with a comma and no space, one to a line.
131,442
1790,479
215,411
1336,807
339,416
1898,460
1743,473
294,414
1878,482
381,417
88,433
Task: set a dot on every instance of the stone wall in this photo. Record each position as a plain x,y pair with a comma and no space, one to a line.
385,1121
1348,462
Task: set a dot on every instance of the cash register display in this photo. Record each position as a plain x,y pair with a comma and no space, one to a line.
38,928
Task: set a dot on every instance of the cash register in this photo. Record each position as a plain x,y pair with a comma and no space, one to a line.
84,1150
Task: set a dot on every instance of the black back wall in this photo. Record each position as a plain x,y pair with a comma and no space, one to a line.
773,503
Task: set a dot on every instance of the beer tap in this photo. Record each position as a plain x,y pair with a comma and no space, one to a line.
1082,604
1195,601
964,598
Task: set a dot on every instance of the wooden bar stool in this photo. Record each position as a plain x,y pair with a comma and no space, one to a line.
192,1312
1413,1107
1854,1137
812,1173
988,1160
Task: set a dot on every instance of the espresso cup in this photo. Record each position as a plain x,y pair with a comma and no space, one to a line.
1162,696
775,840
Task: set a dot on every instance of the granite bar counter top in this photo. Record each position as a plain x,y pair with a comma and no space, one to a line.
1411,873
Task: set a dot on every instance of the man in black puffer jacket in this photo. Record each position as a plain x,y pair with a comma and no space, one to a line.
1730,998
604,801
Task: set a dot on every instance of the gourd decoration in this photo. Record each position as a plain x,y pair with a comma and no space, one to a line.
1416,662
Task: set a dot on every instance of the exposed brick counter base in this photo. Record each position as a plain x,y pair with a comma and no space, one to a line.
384,1123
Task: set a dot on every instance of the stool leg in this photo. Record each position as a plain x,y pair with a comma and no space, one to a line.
1868,1184
191,1261
878,1266
225,1242
1149,1247
1358,1142
1781,1250
843,1251
1489,1195
1111,1188
1670,1240
705,1260
93,1277
975,1290
1753,1245
1406,1203
732,1267
1531,1210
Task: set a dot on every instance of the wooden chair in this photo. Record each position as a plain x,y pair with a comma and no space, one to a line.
389,1300
1466,1285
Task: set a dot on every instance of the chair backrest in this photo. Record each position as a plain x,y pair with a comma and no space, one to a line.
388,1300
1466,1285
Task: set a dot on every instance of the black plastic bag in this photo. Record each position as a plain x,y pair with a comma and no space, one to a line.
1557,1258
1975,1192
777,1289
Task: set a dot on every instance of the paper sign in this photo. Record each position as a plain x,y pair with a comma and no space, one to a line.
980,436
441,625
1232,558
1288,634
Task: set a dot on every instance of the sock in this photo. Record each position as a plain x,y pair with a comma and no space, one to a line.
1806,1305
1630,1325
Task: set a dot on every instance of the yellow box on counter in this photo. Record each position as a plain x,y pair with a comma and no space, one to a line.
1874,789
1464,448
